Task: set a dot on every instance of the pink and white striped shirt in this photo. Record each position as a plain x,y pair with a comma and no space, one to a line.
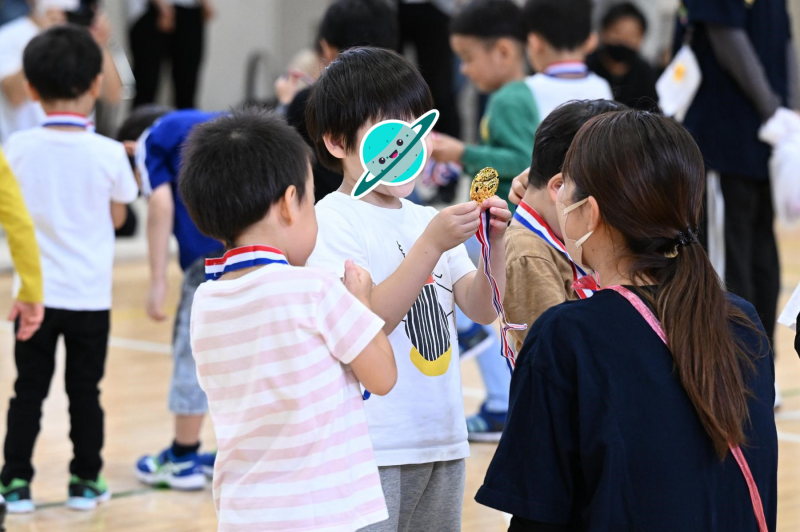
294,449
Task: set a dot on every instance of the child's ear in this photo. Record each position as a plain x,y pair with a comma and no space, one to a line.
335,146
555,183
590,44
504,46
289,205
535,43
96,86
329,52
33,94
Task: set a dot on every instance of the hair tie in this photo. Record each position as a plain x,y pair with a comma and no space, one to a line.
689,237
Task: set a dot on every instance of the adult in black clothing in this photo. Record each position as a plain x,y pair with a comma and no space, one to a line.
346,24
632,79
630,409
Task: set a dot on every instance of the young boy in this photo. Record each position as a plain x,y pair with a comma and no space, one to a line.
559,38
539,272
158,155
421,269
489,37
280,348
76,184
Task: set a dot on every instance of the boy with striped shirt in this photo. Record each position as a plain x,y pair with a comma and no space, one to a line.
280,349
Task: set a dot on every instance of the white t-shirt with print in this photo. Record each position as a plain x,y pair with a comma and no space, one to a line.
14,37
68,180
550,92
422,419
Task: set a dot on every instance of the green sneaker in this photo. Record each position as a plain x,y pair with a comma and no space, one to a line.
18,496
87,494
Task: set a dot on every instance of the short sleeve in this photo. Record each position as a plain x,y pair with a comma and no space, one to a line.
534,471
156,159
124,189
728,13
337,241
459,263
345,323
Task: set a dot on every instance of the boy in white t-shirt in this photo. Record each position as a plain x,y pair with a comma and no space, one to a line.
559,39
421,269
76,185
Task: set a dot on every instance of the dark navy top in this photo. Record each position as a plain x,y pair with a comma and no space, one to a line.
163,148
722,119
601,435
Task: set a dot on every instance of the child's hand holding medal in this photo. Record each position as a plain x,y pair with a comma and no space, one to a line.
483,189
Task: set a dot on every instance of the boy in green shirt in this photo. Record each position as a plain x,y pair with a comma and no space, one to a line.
489,36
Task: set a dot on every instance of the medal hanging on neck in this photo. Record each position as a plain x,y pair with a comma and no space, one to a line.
484,187
68,120
243,257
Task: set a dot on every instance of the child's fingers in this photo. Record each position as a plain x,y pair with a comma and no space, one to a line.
464,208
501,213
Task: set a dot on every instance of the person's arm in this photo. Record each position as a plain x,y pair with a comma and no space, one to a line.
473,293
160,219
518,186
14,89
736,55
119,213
17,223
374,366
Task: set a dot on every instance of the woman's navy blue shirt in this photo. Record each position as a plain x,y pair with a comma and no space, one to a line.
601,435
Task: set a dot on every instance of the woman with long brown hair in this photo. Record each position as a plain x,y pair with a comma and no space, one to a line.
648,406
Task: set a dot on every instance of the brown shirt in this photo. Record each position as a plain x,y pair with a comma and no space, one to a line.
537,277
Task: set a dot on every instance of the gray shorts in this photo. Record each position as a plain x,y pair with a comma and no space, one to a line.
185,395
422,497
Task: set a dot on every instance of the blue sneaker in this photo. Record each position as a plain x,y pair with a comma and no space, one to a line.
207,461
486,426
168,471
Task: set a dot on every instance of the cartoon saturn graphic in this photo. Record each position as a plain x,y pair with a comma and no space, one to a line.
393,152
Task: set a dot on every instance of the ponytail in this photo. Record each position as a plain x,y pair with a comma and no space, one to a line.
648,177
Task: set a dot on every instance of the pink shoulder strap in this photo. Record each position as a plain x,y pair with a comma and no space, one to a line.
651,319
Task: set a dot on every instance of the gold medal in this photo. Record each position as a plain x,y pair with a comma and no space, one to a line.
484,186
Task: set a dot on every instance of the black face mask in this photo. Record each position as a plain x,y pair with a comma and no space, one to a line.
620,53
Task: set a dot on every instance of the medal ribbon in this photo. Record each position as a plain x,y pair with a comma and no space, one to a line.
497,298
243,257
566,68
68,120
583,284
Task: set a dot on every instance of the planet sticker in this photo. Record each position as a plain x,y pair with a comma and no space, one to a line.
393,153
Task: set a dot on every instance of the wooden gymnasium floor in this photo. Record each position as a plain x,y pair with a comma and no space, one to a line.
134,396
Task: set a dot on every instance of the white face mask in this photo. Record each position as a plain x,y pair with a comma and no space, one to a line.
574,248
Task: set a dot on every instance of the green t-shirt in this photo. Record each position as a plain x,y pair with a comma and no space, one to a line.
508,128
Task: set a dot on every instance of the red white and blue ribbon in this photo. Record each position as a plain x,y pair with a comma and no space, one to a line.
583,284
570,69
68,120
243,257
497,298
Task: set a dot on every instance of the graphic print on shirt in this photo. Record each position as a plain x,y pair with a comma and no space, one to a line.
428,330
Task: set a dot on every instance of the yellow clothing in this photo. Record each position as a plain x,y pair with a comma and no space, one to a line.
21,235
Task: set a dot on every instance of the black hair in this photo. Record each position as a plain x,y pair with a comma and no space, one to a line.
555,134
350,23
490,19
363,85
139,120
236,166
623,10
565,24
62,62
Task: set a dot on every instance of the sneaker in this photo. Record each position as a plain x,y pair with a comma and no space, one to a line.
166,470
473,342
207,461
486,426
85,495
17,495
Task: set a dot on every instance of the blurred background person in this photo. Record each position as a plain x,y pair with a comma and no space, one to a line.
744,50
632,79
173,29
17,110
12,10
